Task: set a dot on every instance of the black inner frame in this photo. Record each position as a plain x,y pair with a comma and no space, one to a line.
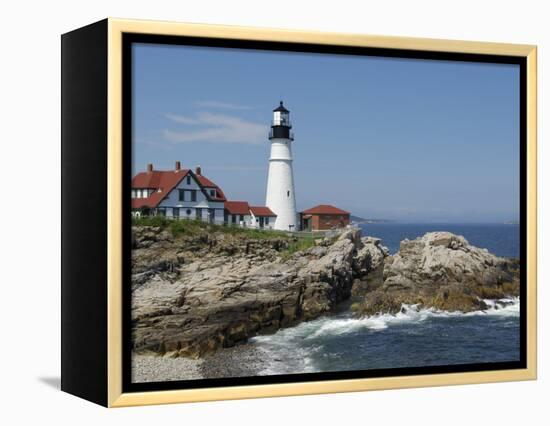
127,62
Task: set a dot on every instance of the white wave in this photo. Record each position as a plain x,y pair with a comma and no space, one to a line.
408,313
413,314
503,307
281,356
284,352
293,349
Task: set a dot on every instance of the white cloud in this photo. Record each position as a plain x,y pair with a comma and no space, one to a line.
183,119
154,143
217,128
221,105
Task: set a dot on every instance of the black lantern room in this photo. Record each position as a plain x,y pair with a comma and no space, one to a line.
280,126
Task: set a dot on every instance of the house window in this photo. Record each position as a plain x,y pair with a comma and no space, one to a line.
193,195
267,220
133,193
225,217
234,219
188,180
211,215
176,212
212,192
188,212
241,218
181,194
199,213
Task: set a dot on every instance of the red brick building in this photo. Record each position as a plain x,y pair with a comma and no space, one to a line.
323,217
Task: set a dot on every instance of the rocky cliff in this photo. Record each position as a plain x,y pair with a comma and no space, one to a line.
194,294
443,271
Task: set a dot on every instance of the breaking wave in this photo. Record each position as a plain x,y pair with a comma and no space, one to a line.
295,349
413,314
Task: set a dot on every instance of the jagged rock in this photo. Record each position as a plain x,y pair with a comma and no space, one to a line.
444,271
235,288
196,293
368,264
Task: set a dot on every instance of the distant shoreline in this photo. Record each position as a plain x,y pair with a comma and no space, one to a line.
360,220
418,222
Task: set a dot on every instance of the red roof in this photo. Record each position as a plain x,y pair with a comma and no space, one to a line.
166,181
325,209
237,207
207,183
261,211
163,180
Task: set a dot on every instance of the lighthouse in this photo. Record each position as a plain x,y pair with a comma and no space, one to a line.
280,197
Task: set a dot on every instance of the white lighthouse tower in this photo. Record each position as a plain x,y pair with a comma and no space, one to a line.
280,196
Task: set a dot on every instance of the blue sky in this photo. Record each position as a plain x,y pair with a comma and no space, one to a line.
402,139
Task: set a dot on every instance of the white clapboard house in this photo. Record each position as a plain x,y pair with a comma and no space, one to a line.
242,214
186,194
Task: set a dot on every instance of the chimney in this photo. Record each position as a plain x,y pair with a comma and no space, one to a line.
178,166
198,170
149,168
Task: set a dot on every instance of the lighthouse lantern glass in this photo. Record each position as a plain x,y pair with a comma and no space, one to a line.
280,118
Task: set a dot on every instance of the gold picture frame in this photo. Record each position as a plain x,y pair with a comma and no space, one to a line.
114,30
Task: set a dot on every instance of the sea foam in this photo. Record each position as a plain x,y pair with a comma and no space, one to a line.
412,314
293,349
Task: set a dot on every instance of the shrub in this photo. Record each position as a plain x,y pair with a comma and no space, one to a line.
159,221
300,244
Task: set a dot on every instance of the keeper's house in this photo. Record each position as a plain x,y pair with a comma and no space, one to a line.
324,217
184,194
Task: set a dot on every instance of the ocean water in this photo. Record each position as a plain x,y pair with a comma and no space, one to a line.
412,338
499,239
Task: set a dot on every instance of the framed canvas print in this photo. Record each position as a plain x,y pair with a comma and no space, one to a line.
255,212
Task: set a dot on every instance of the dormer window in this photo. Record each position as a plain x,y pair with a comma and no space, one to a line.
143,192
212,192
